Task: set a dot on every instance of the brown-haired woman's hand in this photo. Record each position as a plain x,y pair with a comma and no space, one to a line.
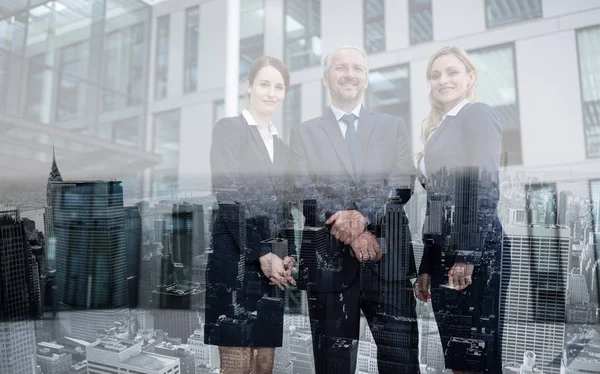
273,268
421,287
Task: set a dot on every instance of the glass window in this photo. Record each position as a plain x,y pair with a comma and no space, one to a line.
374,21
497,87
35,88
166,137
136,48
502,12
219,108
252,38
292,111
124,55
73,61
588,46
112,70
302,33
162,57
128,132
190,70
3,76
218,111
420,21
389,92
166,143
12,31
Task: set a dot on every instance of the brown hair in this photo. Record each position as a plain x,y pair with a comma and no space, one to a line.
263,61
431,122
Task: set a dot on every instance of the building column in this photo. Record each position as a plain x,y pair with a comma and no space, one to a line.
232,58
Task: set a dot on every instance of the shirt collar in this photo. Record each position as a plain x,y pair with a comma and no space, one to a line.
338,113
454,111
252,122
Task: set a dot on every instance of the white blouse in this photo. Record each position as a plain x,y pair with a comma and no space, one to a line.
266,135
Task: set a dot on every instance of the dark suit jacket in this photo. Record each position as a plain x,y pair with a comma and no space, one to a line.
242,173
462,161
321,165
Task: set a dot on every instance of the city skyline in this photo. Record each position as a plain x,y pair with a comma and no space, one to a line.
123,95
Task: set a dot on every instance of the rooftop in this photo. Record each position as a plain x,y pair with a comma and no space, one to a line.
151,361
114,345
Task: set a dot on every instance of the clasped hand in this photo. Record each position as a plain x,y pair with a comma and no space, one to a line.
348,226
277,270
459,278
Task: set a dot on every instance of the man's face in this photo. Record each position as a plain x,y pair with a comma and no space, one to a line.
347,77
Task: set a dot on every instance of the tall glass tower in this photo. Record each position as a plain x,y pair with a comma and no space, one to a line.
17,338
89,227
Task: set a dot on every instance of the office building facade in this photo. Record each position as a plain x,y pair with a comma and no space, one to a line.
534,295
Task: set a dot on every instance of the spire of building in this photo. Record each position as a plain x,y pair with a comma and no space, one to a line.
54,174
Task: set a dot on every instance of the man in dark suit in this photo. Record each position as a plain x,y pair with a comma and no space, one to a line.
352,160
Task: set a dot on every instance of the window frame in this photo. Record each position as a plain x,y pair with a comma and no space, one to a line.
373,20
487,20
287,40
510,45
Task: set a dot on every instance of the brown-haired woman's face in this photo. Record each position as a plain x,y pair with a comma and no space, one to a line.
267,91
449,80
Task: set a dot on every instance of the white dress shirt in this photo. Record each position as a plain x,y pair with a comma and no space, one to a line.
338,113
452,112
266,135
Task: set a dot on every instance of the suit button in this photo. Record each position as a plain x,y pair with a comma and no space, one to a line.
274,198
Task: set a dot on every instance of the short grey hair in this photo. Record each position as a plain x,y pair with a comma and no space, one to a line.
327,59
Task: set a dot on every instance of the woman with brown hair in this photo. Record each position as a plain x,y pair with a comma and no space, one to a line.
244,311
462,233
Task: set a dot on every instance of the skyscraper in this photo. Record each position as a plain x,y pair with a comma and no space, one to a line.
314,244
53,176
17,338
533,294
398,262
133,248
89,227
188,232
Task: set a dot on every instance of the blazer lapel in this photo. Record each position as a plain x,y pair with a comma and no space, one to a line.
366,123
260,145
447,122
441,128
332,129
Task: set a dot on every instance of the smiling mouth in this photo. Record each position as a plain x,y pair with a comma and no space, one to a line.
447,89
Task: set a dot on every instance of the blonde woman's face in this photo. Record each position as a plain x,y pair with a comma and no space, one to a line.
449,80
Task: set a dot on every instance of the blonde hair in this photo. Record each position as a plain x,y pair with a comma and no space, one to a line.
432,121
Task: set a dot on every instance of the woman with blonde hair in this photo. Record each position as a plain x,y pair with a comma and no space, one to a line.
462,233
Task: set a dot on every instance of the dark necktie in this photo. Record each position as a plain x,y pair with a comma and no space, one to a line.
350,137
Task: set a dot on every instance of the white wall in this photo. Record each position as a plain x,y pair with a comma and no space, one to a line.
549,100
452,18
212,41
552,8
274,32
312,99
341,24
396,24
195,139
